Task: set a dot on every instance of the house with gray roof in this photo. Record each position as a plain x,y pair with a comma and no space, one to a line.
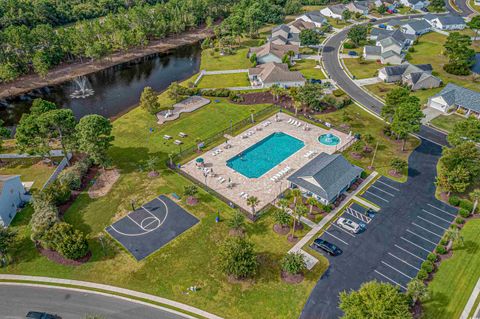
447,22
391,74
415,4
390,44
358,7
454,97
283,35
372,52
391,57
12,197
416,27
421,81
325,177
334,11
271,52
272,73
404,39
314,17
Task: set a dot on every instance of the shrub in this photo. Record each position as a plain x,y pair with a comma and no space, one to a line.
44,216
466,204
71,178
57,192
441,250
216,92
432,257
67,241
427,265
237,221
387,130
349,45
293,263
281,217
464,213
422,274
363,175
459,220
338,92
411,49
454,200
443,241
237,257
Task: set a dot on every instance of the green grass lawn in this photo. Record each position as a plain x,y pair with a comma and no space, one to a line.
429,50
307,68
215,62
447,122
363,123
476,7
190,259
224,80
362,69
381,89
456,277
29,169
338,24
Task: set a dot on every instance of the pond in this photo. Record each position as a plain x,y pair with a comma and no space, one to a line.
115,90
476,66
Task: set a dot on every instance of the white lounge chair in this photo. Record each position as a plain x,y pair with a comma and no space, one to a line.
290,121
241,194
167,137
299,124
245,196
181,134
177,142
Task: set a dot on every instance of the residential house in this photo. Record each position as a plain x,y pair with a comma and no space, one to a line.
298,26
314,17
372,52
415,4
325,177
416,27
272,73
390,44
416,77
454,97
404,39
334,11
358,7
376,32
12,197
283,35
391,57
448,22
271,52
421,80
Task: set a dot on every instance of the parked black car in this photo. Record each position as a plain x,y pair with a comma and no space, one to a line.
316,81
372,20
41,315
330,248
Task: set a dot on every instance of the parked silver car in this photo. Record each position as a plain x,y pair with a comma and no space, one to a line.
348,225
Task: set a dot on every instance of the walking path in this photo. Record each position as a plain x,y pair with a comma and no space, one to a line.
365,203
54,153
134,295
368,81
331,215
471,302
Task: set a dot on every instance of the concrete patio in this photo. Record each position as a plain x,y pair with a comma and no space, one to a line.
263,188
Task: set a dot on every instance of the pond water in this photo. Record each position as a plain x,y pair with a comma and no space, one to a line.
116,89
476,66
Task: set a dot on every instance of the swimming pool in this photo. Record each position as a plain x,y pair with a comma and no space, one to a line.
265,154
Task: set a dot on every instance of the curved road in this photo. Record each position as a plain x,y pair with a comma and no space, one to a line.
334,69
17,300
462,6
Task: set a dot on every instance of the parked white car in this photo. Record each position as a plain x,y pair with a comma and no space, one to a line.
348,225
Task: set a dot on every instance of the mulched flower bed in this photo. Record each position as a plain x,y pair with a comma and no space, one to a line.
192,201
59,259
394,173
356,155
281,230
291,279
292,239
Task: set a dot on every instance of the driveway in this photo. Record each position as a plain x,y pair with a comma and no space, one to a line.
396,241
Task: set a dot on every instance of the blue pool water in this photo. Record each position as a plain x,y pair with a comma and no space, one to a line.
329,139
265,155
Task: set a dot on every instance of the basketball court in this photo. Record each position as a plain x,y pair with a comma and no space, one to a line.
150,227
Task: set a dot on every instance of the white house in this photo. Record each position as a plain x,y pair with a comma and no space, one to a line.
390,44
271,52
269,74
371,52
334,11
12,196
416,27
358,7
415,4
449,22
325,178
454,97
391,57
314,17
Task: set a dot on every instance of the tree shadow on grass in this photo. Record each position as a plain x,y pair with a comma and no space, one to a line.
469,246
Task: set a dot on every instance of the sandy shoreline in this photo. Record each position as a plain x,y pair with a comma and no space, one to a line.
65,72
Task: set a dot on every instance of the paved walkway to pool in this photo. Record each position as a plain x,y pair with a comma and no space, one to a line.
263,188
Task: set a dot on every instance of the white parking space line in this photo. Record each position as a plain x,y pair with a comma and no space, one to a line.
431,232
415,234
388,265
347,232
379,181
358,215
377,196
410,253
453,215
389,279
390,194
426,220
445,220
408,241
406,263
336,237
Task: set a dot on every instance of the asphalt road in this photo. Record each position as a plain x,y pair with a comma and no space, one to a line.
16,301
462,5
396,241
335,71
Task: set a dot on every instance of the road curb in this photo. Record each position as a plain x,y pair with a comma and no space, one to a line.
112,291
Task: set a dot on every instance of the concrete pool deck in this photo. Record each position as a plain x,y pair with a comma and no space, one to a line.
262,188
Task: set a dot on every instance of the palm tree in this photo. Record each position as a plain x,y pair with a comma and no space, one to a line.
453,235
296,193
252,201
275,90
475,196
417,290
297,105
300,211
251,114
283,203
312,202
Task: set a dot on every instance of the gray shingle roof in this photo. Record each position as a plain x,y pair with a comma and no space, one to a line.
337,8
316,16
390,53
402,68
451,20
419,25
272,72
454,94
380,32
373,50
326,175
430,16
